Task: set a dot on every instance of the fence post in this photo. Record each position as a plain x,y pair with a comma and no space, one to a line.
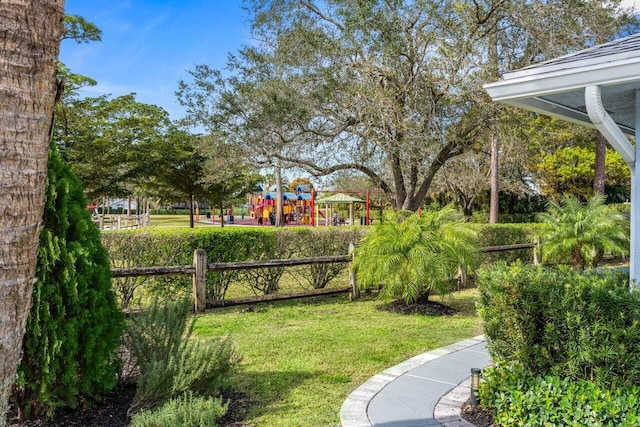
199,279
118,223
536,252
355,290
101,223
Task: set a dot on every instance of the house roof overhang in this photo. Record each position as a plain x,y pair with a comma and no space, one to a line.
557,87
596,87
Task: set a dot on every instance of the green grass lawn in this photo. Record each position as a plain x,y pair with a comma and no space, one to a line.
302,358
173,221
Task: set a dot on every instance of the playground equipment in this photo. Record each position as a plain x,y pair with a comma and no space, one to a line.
297,207
303,208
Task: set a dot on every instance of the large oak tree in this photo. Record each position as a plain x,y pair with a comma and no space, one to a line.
30,31
389,88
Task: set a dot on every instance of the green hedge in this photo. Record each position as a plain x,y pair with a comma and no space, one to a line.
566,345
162,247
581,325
521,399
506,234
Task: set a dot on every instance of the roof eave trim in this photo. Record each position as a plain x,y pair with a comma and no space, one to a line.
546,83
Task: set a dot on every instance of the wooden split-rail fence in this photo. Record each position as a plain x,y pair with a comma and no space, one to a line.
200,268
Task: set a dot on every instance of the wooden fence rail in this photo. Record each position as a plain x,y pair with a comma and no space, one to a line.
200,268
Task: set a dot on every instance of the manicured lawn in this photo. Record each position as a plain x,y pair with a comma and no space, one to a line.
302,358
173,221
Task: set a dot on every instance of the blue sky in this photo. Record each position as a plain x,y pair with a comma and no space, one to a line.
148,45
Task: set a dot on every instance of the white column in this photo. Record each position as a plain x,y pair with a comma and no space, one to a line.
634,254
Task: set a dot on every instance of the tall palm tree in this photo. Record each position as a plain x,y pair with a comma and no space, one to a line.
414,255
31,32
582,232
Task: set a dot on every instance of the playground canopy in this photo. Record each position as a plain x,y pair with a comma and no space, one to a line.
341,198
597,87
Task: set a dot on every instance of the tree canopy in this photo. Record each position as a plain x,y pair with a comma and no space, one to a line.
392,89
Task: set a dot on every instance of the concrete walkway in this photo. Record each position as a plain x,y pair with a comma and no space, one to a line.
426,390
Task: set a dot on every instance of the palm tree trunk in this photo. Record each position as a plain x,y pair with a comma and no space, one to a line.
31,32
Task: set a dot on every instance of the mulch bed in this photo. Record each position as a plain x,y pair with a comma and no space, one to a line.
477,416
424,307
111,411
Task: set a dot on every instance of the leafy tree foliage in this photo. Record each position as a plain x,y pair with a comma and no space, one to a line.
80,30
75,323
107,141
414,255
582,232
570,171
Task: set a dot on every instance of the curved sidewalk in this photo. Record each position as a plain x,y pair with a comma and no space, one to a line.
426,390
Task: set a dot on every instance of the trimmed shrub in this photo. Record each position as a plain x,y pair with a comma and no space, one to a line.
184,411
580,325
143,248
506,234
171,362
325,241
519,398
73,330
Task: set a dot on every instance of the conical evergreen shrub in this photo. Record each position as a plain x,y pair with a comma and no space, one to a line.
74,328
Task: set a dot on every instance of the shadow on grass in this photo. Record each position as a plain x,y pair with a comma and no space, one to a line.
262,389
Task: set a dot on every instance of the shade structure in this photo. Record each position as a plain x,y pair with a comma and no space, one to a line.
596,87
341,198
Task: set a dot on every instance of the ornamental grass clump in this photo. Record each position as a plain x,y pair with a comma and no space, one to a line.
415,255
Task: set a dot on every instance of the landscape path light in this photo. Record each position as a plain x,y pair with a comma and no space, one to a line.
475,384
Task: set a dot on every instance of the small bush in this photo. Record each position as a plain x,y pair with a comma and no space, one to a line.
171,363
519,398
185,411
580,325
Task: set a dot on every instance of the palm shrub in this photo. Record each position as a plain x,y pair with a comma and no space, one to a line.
74,327
414,255
582,232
